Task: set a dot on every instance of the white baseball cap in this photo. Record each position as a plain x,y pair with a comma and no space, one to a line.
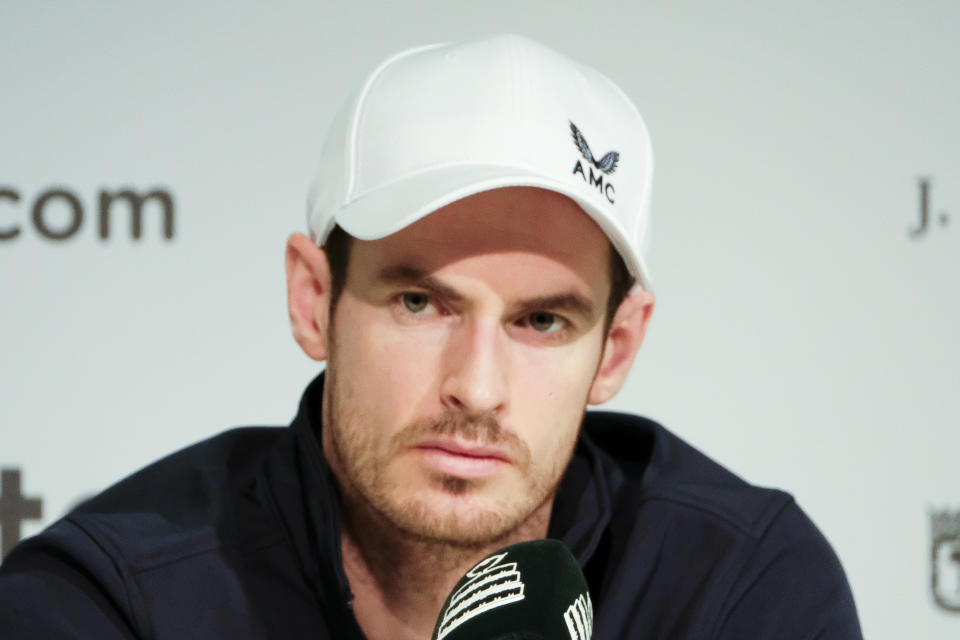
439,123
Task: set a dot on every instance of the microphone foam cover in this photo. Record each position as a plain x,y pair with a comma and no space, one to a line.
528,591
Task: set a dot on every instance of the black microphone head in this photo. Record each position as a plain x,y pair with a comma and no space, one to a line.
527,591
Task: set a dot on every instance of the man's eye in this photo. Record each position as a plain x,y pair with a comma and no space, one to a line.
415,302
543,321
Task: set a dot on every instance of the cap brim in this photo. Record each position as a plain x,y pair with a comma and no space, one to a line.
392,207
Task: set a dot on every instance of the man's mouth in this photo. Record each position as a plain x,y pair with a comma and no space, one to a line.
462,459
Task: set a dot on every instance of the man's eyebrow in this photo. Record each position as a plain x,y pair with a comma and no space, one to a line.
573,303
404,274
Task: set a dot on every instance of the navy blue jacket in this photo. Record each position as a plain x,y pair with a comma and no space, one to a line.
238,537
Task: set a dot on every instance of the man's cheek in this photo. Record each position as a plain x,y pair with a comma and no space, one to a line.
405,349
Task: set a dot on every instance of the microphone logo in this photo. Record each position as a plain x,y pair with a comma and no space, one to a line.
490,585
579,618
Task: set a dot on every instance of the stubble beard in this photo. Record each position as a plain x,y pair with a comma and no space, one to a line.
449,510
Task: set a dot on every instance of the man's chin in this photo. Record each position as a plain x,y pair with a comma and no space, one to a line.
452,515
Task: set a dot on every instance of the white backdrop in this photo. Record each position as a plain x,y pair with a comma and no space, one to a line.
802,337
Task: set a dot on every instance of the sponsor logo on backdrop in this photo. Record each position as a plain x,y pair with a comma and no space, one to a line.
605,166
58,214
945,559
926,216
14,509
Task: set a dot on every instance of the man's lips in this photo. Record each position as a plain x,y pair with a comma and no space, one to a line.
469,449
462,459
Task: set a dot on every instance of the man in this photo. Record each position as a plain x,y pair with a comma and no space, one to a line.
474,279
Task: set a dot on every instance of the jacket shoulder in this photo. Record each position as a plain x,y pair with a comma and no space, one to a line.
680,520
657,465
155,541
194,500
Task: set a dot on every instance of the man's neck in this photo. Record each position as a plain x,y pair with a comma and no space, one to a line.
400,582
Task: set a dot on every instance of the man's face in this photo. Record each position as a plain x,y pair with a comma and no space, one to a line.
461,354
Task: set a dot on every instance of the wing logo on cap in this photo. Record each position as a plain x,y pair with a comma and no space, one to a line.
607,164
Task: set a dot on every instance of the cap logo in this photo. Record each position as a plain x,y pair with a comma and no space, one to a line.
607,164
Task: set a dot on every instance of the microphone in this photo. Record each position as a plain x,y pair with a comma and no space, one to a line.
527,591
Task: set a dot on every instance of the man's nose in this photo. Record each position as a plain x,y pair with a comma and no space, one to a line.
475,370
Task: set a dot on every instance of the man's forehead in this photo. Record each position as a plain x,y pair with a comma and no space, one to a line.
524,243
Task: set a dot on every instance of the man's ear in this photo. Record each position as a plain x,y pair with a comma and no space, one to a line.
623,340
308,295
